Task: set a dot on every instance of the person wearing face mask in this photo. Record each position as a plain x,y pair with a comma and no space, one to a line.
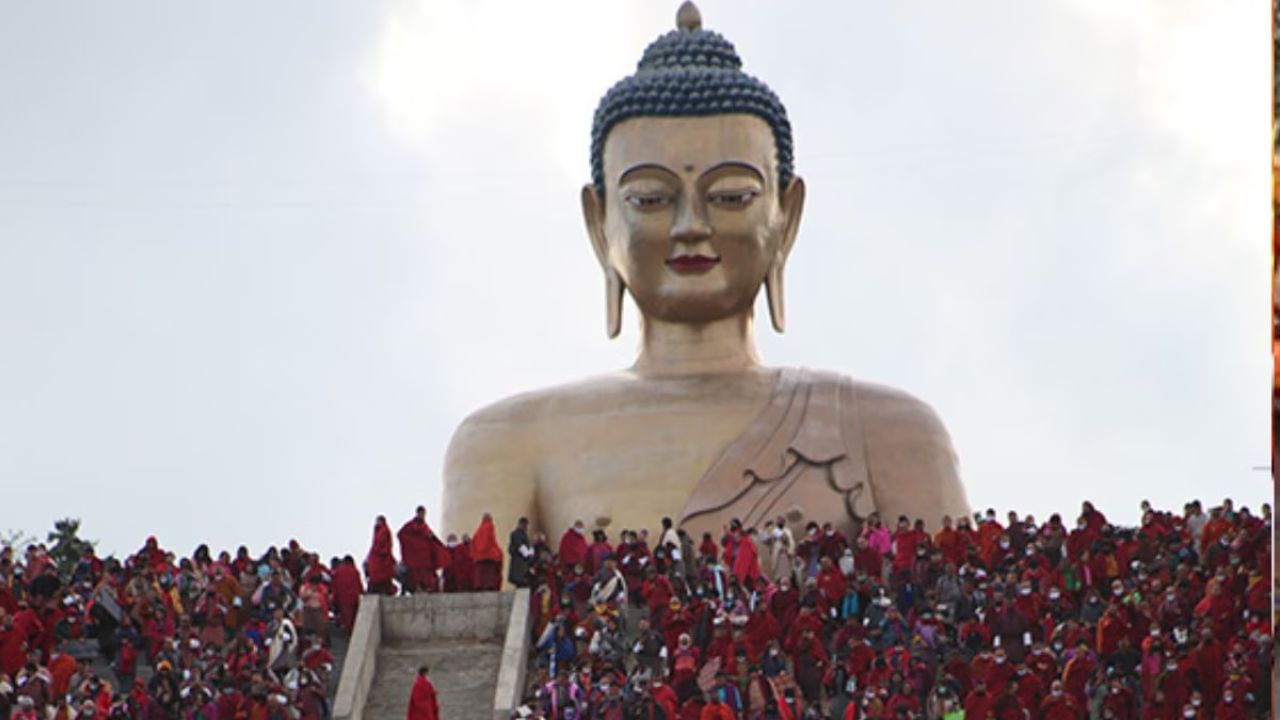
1027,603
1119,701
1000,674
999,551
1042,662
1058,705
1092,609
1029,687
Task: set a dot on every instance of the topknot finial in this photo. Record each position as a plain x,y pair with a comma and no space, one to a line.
688,17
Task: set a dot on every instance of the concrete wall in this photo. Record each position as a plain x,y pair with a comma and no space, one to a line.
361,663
449,616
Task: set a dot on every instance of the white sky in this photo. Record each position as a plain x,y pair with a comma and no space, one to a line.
258,260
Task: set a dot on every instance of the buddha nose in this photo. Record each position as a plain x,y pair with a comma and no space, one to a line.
691,222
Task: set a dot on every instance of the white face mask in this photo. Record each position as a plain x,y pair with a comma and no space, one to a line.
1054,595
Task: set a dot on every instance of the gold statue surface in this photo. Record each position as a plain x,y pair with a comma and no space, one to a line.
692,208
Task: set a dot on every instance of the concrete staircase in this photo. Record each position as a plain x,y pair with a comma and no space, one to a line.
465,674
476,645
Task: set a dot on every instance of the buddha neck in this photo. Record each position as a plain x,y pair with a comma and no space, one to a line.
673,349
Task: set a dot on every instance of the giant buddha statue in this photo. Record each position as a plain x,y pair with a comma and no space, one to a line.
692,206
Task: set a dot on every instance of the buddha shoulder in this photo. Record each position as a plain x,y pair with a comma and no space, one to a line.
891,414
513,420
913,465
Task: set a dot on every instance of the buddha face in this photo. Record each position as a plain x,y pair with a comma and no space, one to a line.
692,220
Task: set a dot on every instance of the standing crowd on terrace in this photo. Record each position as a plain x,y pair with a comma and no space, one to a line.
978,619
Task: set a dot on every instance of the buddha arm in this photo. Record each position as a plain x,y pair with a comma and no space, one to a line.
488,469
913,467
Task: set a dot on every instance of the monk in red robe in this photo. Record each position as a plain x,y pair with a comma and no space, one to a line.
422,553
423,704
573,546
746,562
347,589
487,555
380,564
460,576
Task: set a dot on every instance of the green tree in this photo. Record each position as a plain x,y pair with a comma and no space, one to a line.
66,546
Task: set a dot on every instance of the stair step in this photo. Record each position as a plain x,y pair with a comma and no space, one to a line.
465,675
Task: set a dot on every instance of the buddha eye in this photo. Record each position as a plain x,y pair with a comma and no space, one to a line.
648,201
733,198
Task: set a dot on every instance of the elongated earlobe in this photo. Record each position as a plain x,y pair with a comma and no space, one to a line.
614,289
773,292
792,208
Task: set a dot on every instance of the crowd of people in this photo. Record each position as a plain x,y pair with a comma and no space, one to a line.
205,637
977,619
199,638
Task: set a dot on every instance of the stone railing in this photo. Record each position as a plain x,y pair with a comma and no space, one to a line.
515,658
361,663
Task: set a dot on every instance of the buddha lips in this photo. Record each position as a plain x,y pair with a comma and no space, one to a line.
692,263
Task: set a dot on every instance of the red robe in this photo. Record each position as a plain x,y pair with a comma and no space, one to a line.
831,584
746,563
380,565
423,704
347,589
487,555
952,545
573,548
460,575
423,553
978,705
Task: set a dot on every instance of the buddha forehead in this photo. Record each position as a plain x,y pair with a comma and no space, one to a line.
689,146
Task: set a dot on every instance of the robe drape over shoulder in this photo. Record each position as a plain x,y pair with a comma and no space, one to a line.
380,565
809,434
484,543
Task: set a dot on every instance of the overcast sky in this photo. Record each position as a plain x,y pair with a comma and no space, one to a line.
257,260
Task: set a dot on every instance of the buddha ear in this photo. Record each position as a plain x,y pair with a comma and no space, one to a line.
614,288
792,208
